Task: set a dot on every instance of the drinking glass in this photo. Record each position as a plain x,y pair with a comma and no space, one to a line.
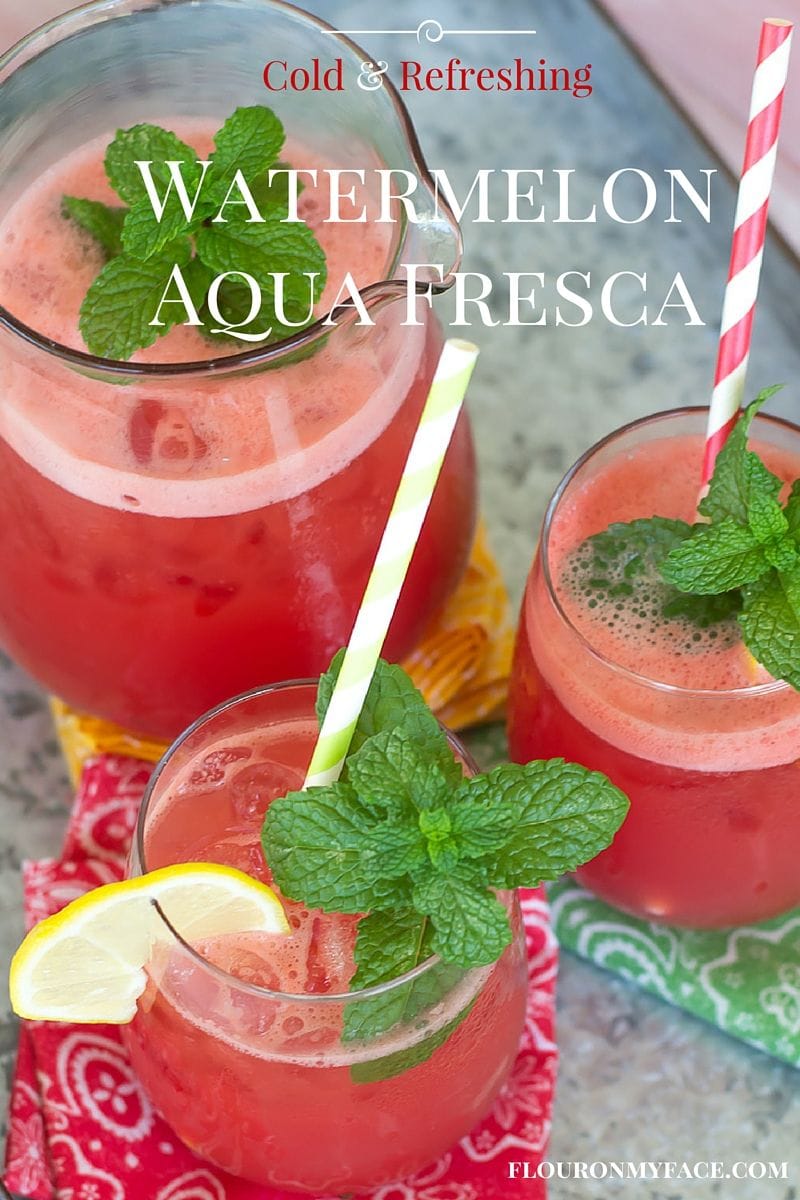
713,833
258,1077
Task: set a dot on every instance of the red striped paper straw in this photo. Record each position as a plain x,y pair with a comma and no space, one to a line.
750,229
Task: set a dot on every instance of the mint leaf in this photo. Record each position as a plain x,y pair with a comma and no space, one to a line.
198,279
437,830
716,559
770,622
374,1070
738,472
389,770
703,611
100,220
783,554
327,849
471,926
143,235
267,249
563,815
393,702
148,143
792,511
250,141
116,313
765,518
259,251
389,945
276,193
629,548
478,824
624,562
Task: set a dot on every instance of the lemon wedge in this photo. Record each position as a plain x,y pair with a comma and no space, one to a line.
753,670
86,963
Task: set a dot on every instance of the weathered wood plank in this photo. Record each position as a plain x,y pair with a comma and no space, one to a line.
705,54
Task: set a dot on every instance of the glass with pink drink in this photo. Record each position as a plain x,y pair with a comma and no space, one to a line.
187,524
699,736
239,1040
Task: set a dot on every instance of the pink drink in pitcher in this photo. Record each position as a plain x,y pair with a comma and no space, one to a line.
168,542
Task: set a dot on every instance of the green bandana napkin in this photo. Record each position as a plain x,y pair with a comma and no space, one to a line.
746,981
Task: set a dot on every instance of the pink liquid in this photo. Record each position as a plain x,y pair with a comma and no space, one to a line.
262,1085
713,831
169,543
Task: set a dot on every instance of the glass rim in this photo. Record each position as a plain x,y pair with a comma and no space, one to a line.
228,977
338,316
751,690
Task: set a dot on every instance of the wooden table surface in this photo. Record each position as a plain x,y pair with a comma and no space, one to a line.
704,53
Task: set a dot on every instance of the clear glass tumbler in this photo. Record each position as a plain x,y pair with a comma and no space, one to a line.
713,833
243,1044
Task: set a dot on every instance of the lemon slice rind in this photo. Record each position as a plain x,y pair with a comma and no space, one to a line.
86,963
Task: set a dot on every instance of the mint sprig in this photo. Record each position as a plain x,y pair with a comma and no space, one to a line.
748,531
396,831
406,840
752,544
743,560
143,247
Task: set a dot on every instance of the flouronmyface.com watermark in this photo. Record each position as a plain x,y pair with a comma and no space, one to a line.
644,1171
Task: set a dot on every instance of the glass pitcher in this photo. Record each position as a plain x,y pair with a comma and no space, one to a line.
175,532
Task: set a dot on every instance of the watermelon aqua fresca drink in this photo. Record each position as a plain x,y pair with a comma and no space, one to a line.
239,1040
681,718
175,530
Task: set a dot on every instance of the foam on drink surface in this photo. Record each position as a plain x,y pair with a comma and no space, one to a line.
623,622
226,792
198,446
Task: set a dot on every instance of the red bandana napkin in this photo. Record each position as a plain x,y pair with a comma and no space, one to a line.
81,1128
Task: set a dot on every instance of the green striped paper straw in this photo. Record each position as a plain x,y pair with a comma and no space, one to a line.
411,503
